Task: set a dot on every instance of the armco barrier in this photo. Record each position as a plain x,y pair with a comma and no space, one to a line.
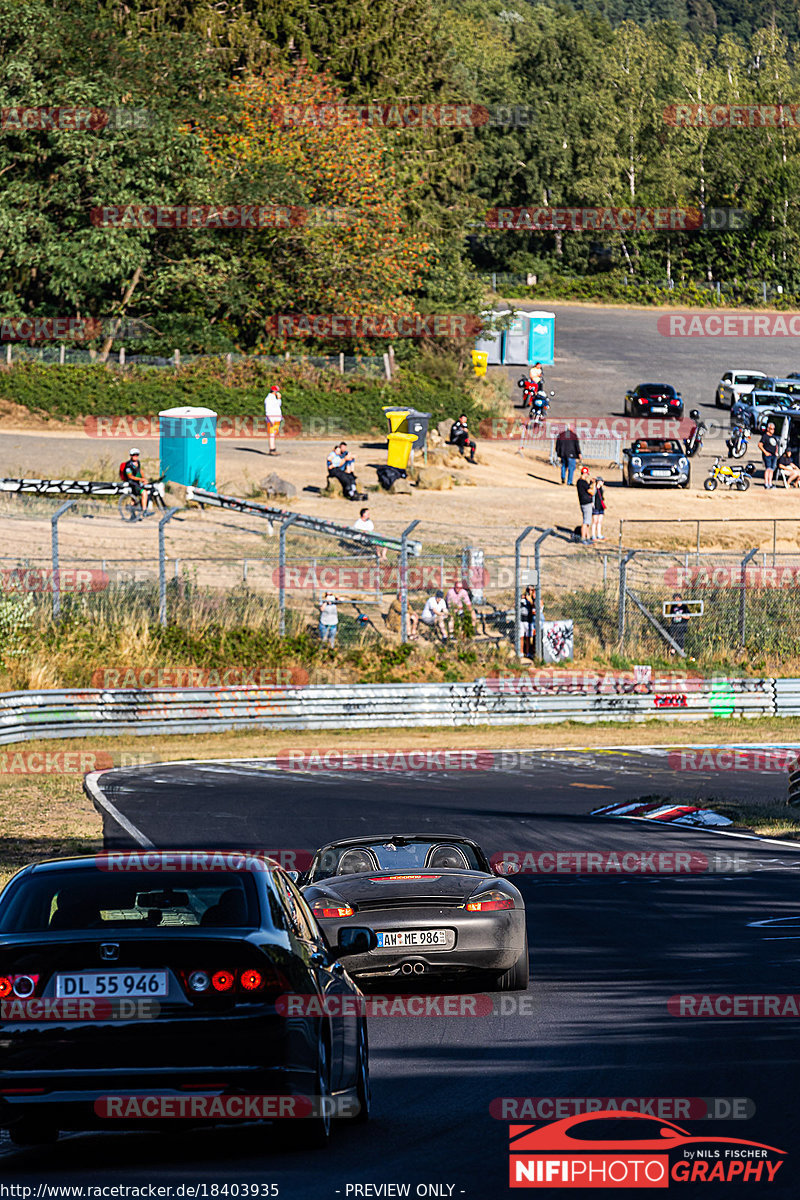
94,713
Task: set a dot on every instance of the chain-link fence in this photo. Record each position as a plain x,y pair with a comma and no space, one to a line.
121,357
533,591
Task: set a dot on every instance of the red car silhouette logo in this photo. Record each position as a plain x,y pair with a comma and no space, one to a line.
663,1136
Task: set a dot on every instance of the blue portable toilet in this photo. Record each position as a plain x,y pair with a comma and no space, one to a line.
189,446
531,338
542,338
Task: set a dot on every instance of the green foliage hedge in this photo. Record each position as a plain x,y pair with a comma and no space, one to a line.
75,392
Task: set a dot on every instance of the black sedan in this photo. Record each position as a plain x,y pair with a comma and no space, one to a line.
140,988
659,462
653,400
435,903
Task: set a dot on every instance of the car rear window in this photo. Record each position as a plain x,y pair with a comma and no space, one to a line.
745,379
97,899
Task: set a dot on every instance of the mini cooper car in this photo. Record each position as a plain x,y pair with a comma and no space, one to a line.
653,400
658,462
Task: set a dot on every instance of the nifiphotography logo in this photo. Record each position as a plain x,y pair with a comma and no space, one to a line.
616,1149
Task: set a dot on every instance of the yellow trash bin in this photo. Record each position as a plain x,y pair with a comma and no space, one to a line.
397,418
480,361
399,449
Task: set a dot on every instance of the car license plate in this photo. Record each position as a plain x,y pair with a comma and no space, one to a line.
659,473
112,983
658,408
412,937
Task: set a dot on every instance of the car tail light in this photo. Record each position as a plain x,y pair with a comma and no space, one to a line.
22,986
675,403
329,908
25,985
223,981
249,982
490,902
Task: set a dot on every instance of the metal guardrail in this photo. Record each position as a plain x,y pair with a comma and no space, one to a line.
96,713
65,487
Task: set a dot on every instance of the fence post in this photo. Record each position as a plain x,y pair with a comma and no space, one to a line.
282,570
742,609
54,554
518,588
623,584
537,563
162,565
404,580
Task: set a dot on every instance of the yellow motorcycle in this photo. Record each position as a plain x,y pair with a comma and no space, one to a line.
731,475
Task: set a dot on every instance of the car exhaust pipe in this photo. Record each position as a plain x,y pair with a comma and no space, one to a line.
419,968
407,968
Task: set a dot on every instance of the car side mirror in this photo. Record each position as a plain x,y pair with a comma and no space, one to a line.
294,876
509,867
354,939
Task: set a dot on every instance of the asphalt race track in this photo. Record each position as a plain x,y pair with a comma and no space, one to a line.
608,951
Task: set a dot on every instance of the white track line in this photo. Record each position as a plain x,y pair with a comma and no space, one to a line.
90,782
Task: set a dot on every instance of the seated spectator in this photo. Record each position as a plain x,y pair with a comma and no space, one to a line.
789,468
459,436
341,466
366,525
434,615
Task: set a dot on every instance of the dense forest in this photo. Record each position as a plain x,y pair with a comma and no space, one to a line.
194,96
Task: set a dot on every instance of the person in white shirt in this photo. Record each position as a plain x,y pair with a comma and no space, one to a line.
364,522
366,525
273,414
328,618
434,615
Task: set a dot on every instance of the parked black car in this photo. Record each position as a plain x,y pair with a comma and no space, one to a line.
653,400
217,954
658,462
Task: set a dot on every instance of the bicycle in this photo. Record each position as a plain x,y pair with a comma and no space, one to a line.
130,506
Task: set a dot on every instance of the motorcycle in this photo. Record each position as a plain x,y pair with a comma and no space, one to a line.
694,442
533,394
732,477
738,441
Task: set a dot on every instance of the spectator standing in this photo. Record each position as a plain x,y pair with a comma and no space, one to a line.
528,621
328,618
680,616
598,510
769,452
568,449
459,436
273,413
459,607
585,488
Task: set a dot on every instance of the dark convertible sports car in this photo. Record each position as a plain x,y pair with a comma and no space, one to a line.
653,400
434,902
137,988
